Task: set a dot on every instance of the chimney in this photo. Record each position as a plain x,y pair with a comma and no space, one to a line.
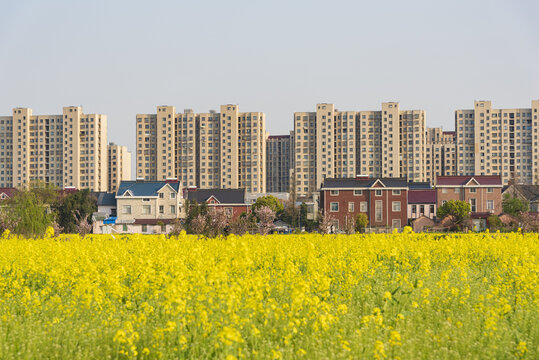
171,180
192,188
140,179
362,176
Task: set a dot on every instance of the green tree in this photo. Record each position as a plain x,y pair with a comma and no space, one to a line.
270,201
457,208
513,205
494,222
28,214
361,221
73,209
194,209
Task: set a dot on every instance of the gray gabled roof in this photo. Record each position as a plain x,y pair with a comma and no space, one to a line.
362,182
224,196
528,192
144,188
105,198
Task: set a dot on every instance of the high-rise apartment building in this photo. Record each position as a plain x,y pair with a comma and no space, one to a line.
279,157
67,150
208,150
332,143
498,142
119,162
440,154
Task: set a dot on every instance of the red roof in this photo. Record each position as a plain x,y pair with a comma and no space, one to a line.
8,191
422,196
463,180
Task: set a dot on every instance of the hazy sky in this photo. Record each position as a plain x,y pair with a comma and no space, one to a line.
121,58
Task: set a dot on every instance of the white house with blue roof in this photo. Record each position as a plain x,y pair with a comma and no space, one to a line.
148,207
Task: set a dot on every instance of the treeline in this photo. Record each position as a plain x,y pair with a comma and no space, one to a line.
30,212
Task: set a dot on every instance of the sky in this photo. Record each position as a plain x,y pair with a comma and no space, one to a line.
123,58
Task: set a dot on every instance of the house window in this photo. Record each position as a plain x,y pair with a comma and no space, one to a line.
146,199
457,190
472,190
444,190
173,195
350,207
422,209
334,192
363,206
334,206
358,192
161,195
378,192
473,205
490,204
396,224
161,209
144,228
396,206
163,228
490,190
124,227
146,209
443,202
229,211
396,192
172,209
126,209
432,210
378,210
414,209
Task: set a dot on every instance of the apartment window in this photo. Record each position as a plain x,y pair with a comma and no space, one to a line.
334,206
396,205
161,209
363,206
472,190
334,192
126,209
146,209
172,209
473,205
161,195
378,192
490,190
358,192
490,204
378,210
350,207
396,192
144,228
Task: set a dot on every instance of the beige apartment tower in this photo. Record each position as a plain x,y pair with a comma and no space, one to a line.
225,149
332,143
440,154
67,150
498,142
119,163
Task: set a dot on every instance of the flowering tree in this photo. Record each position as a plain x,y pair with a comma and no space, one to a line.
217,221
349,225
326,223
265,219
198,224
242,225
83,227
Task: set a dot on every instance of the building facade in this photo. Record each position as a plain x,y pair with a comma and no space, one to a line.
440,154
119,162
332,143
383,200
232,201
482,192
279,162
66,150
498,142
207,150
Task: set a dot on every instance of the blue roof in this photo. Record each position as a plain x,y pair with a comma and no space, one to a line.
105,198
110,220
144,188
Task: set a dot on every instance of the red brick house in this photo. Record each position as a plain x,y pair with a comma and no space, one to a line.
232,200
482,192
383,200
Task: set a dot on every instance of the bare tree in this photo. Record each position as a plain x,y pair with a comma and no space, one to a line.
241,225
265,219
176,228
349,225
198,224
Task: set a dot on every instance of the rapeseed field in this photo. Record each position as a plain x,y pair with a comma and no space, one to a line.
385,296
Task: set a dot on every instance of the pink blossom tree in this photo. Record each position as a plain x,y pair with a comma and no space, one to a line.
265,219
